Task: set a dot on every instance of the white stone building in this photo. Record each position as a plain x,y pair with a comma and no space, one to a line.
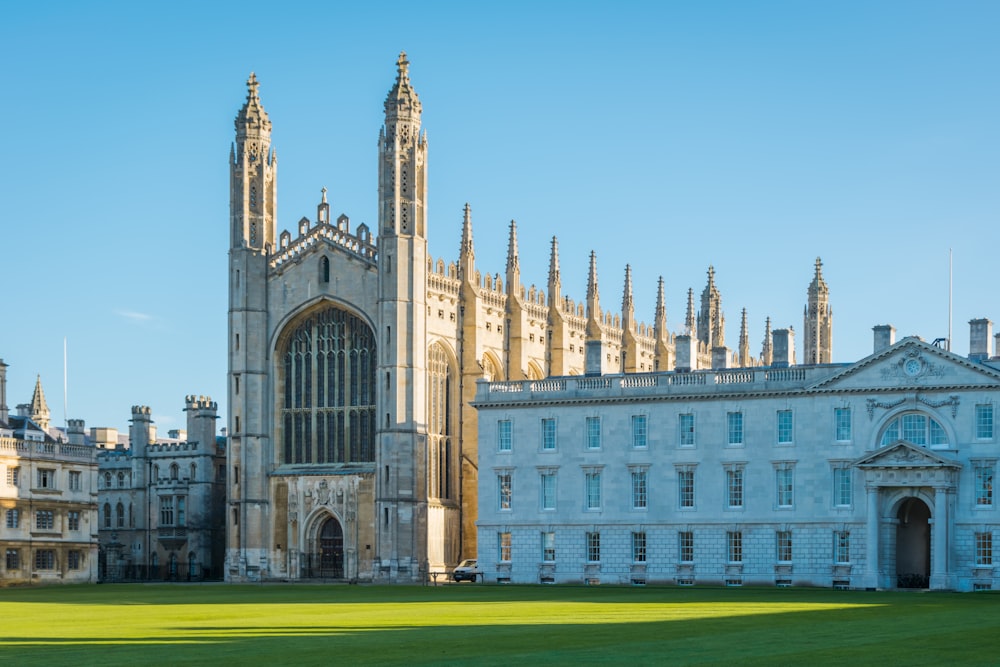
48,489
875,474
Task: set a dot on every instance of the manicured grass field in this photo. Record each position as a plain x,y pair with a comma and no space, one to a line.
491,625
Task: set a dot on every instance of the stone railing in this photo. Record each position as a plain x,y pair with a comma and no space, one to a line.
741,380
46,450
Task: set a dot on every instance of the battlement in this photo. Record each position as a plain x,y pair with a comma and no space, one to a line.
193,402
141,412
361,245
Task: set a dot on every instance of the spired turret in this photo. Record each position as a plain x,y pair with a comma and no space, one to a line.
818,321
253,176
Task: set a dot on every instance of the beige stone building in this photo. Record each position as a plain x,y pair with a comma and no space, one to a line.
48,493
354,355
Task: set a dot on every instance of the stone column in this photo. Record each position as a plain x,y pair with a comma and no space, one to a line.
871,544
939,540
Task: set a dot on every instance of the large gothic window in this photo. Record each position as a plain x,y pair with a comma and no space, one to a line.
328,398
440,420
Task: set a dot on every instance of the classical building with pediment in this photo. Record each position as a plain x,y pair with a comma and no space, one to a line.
875,474
354,357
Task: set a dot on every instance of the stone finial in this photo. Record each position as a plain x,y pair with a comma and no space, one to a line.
554,279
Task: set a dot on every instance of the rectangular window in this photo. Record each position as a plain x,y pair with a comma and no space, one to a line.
639,489
734,487
13,476
984,422
593,432
548,434
549,547
181,519
74,480
639,431
503,547
504,490
784,427
685,488
984,484
984,548
45,520
45,559
842,424
504,435
639,547
734,421
842,491
734,546
13,518
73,559
685,545
841,546
13,559
73,520
593,547
685,423
593,490
547,481
784,546
167,511
784,481
46,478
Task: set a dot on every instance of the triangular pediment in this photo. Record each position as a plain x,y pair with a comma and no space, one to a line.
902,454
911,364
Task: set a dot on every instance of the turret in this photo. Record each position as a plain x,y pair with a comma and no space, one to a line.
593,348
744,351
253,176
767,346
39,408
711,322
818,320
4,410
555,341
662,358
141,432
202,412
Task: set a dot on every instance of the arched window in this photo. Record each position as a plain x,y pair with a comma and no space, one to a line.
156,474
194,469
324,270
121,480
915,428
107,480
107,515
131,516
328,390
174,472
120,515
440,423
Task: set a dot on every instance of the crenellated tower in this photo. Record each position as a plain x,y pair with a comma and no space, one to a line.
818,321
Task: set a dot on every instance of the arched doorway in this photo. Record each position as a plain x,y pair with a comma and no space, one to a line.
331,549
913,544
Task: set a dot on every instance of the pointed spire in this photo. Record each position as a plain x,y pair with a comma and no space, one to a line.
628,307
690,323
744,351
660,318
467,253
252,115
555,280
39,408
711,322
592,278
818,320
594,315
513,263
767,349
402,101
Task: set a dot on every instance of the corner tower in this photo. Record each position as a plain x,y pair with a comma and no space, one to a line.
818,316
253,169
401,492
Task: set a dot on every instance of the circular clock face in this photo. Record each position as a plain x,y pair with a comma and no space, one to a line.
912,367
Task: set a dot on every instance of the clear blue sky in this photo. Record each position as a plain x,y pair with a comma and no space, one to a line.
753,136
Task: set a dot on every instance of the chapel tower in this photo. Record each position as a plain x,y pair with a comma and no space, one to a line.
818,321
402,488
253,167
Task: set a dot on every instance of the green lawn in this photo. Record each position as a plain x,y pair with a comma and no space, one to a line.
500,625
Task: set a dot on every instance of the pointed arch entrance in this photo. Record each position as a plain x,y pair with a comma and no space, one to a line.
913,544
330,548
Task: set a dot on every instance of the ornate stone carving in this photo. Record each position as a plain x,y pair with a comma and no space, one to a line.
952,400
871,404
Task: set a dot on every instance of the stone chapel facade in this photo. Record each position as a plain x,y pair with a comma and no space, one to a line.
354,357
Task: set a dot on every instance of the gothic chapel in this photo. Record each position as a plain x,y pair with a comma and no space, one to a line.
353,359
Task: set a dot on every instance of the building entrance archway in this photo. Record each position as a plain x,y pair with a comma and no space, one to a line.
331,550
913,544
